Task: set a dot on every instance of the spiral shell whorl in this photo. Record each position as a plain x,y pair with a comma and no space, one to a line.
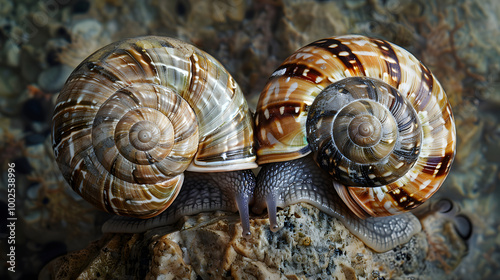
363,132
137,113
156,155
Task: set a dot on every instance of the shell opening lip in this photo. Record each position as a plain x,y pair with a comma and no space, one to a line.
230,165
349,200
284,156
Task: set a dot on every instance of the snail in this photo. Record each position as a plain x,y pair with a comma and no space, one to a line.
358,127
136,114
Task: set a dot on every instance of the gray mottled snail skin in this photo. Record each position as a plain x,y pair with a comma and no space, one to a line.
201,192
137,113
373,118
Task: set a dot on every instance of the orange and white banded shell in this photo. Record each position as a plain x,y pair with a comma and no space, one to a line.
137,113
371,113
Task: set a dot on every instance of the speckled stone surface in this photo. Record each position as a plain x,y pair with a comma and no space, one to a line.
310,245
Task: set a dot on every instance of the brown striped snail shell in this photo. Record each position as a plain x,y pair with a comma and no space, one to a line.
136,114
372,116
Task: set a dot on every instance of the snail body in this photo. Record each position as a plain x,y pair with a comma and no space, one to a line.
136,114
372,117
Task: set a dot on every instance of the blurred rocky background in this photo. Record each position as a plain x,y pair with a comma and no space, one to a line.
41,41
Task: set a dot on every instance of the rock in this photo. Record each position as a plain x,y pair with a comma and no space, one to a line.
310,245
87,29
6,8
10,84
29,63
12,53
53,78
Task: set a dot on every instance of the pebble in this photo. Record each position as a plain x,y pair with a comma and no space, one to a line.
30,66
55,46
33,217
12,53
6,8
53,78
88,29
10,83
33,191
